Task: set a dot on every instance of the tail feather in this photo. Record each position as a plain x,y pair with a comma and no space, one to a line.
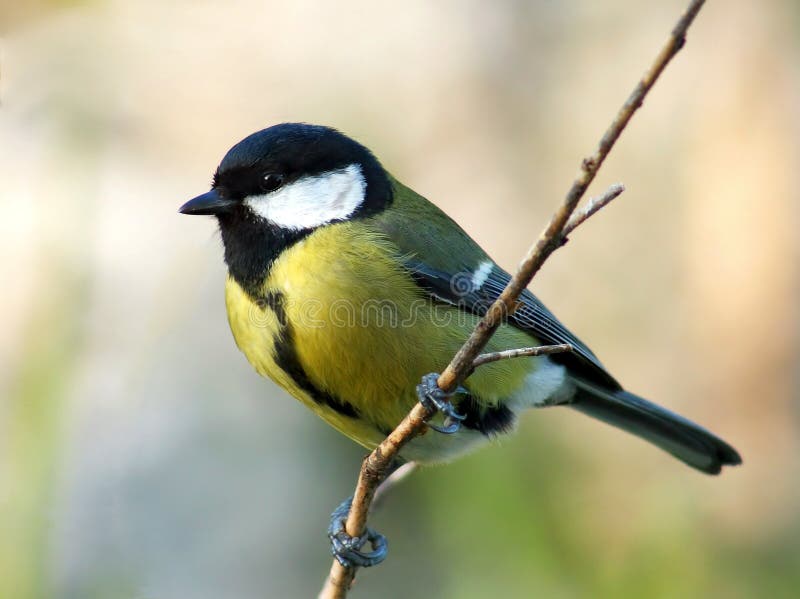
687,441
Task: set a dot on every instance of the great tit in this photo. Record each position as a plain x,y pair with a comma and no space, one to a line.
347,289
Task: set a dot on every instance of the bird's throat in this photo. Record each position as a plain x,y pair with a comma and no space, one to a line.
252,246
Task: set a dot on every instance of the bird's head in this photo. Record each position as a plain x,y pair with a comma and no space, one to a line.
279,184
296,177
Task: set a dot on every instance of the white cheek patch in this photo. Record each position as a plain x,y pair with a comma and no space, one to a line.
312,201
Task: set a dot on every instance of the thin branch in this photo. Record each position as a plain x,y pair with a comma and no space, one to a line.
373,471
550,239
376,464
592,206
541,350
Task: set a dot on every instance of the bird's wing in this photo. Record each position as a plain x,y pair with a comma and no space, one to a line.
451,267
462,290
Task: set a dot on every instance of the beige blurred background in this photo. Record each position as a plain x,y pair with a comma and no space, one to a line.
140,457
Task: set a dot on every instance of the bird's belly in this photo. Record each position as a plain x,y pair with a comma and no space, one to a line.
258,329
360,335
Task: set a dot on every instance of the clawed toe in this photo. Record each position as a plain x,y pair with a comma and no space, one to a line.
347,549
433,398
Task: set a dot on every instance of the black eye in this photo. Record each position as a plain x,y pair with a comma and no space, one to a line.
271,181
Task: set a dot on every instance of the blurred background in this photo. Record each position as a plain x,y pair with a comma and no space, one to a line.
141,457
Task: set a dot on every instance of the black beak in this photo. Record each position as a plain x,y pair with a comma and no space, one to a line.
208,203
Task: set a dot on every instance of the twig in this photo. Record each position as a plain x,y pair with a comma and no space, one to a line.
377,463
592,206
373,470
541,350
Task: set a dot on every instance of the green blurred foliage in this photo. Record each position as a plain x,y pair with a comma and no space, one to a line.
33,440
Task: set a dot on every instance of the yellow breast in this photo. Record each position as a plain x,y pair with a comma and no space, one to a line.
359,330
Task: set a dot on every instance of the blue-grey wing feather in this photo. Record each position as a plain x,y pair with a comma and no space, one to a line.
531,315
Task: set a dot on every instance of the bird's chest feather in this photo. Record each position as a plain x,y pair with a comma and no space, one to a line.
357,331
349,314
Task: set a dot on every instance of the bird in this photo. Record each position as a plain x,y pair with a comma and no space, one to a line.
350,290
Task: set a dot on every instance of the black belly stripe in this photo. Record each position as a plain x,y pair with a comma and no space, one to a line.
274,301
489,421
286,358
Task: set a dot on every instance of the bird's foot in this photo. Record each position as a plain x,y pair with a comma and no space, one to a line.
433,398
347,549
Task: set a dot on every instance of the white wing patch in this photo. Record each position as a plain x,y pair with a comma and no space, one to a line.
312,201
481,274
